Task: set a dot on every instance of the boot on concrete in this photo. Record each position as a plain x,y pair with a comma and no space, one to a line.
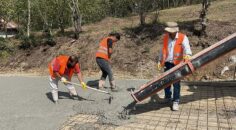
101,84
72,93
175,106
114,88
55,96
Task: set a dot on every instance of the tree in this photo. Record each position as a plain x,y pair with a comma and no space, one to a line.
156,8
28,21
76,17
203,13
141,7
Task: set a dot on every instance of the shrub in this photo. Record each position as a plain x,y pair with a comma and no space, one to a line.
28,42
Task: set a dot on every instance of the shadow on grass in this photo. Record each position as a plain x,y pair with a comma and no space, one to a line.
147,31
155,30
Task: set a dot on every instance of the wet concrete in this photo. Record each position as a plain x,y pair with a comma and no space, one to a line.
108,112
25,104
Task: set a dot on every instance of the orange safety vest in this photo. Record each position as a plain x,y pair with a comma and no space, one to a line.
63,64
102,51
178,49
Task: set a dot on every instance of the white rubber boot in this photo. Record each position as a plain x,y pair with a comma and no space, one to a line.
55,96
72,92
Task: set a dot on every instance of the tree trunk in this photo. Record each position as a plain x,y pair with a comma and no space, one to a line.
156,6
76,18
205,5
168,4
5,28
174,3
141,12
61,18
142,18
28,22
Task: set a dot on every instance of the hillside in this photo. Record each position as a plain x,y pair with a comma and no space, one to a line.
135,54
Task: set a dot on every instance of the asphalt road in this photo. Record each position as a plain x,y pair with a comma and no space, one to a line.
25,104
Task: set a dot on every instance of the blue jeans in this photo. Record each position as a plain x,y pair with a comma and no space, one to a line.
176,85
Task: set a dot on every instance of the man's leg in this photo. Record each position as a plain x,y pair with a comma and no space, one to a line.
54,88
177,88
111,78
72,90
168,92
70,87
102,80
176,96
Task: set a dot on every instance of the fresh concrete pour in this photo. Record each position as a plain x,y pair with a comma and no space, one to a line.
25,103
109,108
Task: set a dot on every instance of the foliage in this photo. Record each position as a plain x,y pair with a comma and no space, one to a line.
28,42
57,14
5,49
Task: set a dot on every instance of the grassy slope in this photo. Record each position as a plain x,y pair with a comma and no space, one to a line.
136,54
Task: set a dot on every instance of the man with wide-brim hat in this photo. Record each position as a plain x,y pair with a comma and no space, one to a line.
176,49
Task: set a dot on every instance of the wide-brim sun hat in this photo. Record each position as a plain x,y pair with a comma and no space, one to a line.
171,27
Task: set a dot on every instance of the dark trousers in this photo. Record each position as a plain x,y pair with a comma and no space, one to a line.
105,68
176,85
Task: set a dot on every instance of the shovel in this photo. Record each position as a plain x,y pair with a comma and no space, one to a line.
94,89
101,91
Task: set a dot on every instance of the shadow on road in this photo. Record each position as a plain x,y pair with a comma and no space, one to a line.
93,83
65,95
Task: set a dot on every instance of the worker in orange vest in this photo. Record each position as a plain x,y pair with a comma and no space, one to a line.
62,69
175,50
103,57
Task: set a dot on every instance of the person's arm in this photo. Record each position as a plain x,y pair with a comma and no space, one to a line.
109,45
80,77
186,46
160,56
56,68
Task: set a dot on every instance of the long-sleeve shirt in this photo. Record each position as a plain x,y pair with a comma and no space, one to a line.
171,44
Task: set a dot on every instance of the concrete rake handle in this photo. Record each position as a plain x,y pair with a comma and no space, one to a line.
101,91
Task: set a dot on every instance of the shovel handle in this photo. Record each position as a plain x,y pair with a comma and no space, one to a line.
101,91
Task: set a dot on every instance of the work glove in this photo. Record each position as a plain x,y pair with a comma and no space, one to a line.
63,80
159,66
84,86
187,57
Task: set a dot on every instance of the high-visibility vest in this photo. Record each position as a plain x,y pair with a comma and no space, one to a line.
178,49
102,51
63,64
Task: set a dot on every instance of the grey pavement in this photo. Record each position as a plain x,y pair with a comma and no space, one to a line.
24,104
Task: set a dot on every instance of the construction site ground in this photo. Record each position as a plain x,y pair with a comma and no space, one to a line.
25,104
